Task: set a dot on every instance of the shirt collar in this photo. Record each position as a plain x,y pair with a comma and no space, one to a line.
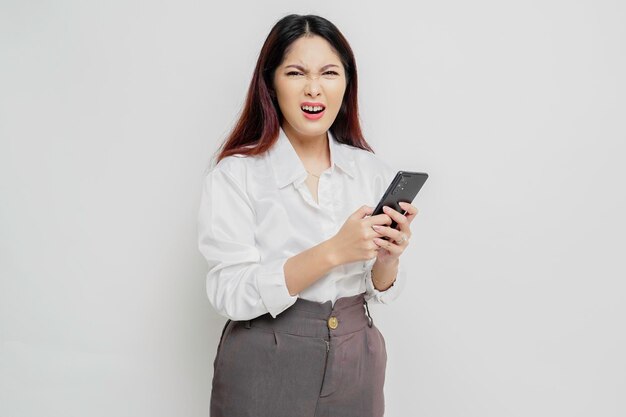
287,164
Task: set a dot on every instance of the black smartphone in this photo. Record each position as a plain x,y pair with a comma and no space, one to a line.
404,187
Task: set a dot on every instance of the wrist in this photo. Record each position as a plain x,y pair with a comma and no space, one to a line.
381,285
331,253
384,275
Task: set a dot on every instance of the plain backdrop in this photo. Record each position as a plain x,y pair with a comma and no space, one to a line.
111,111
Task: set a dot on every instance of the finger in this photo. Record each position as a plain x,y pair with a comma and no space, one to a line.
388,245
398,217
362,211
394,234
380,219
381,230
397,237
411,210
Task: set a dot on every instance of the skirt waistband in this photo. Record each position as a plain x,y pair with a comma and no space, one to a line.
314,319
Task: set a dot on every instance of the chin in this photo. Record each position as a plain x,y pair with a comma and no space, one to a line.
311,128
318,129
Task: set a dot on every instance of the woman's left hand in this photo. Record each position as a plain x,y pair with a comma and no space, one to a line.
391,249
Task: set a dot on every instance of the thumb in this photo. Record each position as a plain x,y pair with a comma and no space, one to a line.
363,211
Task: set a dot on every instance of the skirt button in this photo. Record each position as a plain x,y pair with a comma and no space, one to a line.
333,322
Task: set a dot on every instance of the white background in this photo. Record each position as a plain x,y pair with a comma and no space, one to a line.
110,112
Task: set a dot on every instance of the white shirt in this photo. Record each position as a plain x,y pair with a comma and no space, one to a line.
257,211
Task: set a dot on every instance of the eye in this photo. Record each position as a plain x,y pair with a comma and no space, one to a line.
331,75
294,73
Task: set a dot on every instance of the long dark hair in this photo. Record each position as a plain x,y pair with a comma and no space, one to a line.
261,118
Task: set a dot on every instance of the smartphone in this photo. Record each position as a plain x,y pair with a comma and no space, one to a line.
404,187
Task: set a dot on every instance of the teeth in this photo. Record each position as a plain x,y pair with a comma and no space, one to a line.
312,108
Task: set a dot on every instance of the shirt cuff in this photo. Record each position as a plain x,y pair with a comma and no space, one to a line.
273,288
391,293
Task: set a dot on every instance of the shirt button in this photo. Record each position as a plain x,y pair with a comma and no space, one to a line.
333,323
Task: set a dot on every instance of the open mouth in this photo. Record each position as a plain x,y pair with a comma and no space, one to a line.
313,109
314,112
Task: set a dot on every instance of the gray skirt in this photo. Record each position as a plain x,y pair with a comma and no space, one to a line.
312,360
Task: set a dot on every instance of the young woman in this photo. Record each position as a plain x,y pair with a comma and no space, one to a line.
294,254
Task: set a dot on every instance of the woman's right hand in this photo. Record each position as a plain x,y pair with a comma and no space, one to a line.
355,240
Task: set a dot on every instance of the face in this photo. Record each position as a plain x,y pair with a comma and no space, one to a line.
312,72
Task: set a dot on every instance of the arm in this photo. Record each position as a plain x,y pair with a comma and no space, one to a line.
303,269
384,280
239,284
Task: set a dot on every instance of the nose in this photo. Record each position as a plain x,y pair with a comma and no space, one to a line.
312,86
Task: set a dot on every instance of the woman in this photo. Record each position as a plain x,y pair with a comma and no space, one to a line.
293,251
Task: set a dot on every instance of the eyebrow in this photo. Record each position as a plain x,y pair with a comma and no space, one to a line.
302,68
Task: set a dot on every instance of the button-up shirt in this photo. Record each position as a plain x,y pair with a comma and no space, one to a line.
256,212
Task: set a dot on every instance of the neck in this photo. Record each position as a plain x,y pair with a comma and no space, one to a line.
313,149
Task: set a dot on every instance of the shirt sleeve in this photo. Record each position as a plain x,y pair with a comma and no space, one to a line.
239,284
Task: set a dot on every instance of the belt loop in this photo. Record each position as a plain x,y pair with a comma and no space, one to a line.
248,324
370,321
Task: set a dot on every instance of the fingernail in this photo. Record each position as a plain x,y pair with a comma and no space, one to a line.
376,227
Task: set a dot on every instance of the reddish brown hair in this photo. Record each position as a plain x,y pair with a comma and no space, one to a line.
258,126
